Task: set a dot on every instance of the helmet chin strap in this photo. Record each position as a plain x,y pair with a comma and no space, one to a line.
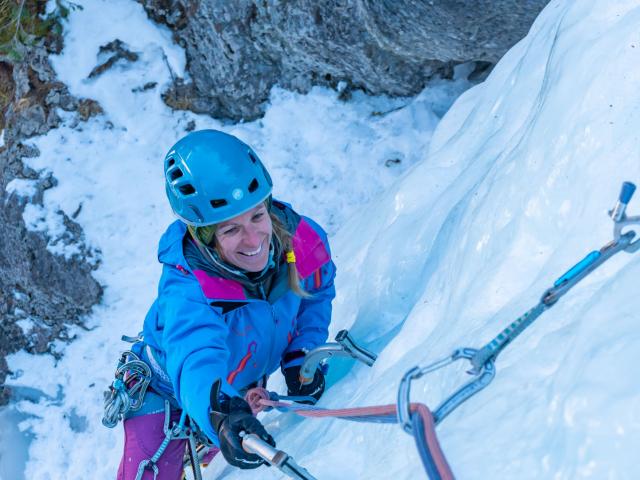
214,258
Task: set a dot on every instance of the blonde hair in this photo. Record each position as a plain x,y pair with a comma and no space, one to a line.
205,235
284,236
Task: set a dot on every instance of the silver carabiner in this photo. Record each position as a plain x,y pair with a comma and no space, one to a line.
404,390
483,377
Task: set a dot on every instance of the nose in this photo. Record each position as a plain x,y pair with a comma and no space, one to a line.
252,237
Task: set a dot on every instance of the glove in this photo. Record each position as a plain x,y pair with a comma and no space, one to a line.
314,389
229,417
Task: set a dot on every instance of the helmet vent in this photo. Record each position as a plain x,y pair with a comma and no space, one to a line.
253,186
218,203
252,157
175,174
187,189
171,162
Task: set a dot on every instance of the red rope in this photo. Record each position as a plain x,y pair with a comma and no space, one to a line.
258,399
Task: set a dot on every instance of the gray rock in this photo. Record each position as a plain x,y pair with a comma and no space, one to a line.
236,51
44,292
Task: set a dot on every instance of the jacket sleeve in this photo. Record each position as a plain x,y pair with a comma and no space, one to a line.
194,339
314,314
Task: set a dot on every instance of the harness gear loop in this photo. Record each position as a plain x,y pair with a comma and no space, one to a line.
177,432
143,466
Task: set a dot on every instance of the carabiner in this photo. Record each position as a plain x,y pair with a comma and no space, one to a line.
404,390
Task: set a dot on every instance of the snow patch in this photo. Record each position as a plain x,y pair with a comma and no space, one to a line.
40,219
22,187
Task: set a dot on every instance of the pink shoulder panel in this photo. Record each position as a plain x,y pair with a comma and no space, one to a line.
310,251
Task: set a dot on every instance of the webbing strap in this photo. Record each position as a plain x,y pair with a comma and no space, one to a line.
431,454
169,434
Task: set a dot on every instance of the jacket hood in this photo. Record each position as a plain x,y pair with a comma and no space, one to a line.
170,248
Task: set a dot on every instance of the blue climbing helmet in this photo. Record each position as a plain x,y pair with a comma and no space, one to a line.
212,176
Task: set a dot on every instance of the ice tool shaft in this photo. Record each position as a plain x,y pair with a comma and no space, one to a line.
274,457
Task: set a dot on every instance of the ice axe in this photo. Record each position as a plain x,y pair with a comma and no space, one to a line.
344,346
277,458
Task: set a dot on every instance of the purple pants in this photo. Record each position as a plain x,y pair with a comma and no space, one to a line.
143,434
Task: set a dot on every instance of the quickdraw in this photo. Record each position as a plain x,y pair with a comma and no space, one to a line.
184,429
483,360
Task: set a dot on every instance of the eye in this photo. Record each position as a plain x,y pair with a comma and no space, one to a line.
229,231
258,216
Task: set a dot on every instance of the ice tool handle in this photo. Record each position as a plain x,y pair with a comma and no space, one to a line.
274,457
345,346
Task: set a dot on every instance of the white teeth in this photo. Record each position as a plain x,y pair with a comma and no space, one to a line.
251,254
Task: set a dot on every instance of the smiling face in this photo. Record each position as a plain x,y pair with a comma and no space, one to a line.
244,240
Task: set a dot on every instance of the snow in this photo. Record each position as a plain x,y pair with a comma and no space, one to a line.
21,187
51,222
485,209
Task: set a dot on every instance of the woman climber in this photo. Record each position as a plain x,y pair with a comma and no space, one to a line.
246,288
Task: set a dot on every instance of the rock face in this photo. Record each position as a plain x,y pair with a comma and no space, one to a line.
236,51
41,294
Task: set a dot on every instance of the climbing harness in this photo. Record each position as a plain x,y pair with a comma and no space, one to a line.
483,360
182,430
133,377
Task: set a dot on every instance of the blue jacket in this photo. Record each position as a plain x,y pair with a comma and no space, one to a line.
203,327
